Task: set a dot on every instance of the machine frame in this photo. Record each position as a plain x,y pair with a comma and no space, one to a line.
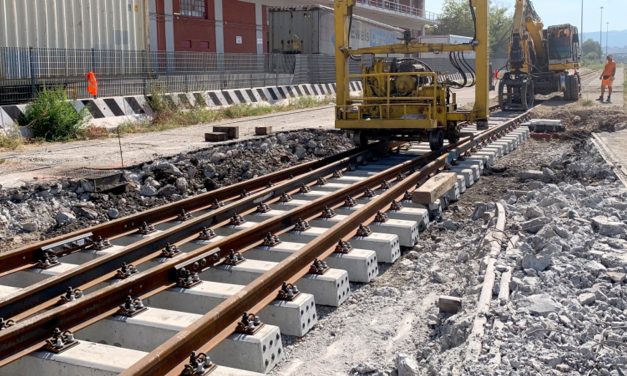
434,113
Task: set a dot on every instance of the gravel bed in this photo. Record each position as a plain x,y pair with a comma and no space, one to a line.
38,211
566,313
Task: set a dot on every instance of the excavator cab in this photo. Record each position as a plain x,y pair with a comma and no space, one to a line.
563,41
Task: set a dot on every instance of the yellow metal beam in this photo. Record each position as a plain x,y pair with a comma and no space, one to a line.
482,61
411,48
343,11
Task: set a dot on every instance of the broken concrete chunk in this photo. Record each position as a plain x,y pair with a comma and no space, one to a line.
449,304
533,212
542,304
531,175
586,298
538,263
534,225
616,277
406,365
607,227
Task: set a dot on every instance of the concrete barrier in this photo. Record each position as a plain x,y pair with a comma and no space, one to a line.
112,111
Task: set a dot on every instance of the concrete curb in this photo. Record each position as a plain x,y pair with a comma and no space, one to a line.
114,110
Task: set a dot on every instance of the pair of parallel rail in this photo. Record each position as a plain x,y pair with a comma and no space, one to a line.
30,314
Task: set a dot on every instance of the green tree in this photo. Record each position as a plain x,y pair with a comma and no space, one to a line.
591,50
457,19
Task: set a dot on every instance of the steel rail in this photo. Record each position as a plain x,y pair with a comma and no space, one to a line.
220,322
29,334
28,255
45,293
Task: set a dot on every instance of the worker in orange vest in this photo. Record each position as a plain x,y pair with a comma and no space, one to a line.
92,84
607,77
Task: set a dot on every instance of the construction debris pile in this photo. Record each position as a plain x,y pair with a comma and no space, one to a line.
567,310
43,210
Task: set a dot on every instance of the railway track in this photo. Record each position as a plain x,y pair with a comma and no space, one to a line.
216,274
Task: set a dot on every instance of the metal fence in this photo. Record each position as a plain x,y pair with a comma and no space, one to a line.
24,71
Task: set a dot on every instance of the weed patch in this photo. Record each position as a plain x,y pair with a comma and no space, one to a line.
52,118
10,140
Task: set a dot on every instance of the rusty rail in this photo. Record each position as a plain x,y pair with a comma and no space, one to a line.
29,335
28,255
220,322
45,293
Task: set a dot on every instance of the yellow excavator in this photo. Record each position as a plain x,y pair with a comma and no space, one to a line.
402,97
541,61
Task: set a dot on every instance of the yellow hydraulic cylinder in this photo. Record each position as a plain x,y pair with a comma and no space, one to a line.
343,11
482,53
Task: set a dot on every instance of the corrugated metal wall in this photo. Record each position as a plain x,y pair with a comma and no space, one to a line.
73,24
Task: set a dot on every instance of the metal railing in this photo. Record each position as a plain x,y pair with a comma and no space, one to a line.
400,8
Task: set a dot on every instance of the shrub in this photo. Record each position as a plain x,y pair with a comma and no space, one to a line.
52,118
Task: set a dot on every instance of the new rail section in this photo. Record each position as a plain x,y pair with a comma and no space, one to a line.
289,233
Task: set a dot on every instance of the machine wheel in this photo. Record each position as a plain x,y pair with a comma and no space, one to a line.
568,89
359,138
527,95
503,100
574,88
436,139
452,132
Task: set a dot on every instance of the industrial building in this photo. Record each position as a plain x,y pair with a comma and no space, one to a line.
219,26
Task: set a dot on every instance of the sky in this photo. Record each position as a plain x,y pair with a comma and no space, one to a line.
555,12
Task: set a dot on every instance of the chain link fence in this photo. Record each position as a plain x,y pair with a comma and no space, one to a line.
24,71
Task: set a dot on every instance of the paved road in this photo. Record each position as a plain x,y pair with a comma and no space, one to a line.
614,144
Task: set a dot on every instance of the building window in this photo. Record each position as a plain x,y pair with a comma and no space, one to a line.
193,8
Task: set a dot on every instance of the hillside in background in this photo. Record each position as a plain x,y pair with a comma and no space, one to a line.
616,38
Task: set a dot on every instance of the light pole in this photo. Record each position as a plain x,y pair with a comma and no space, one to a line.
601,33
581,27
607,36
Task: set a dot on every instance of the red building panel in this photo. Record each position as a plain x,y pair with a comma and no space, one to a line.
240,30
160,19
195,33
266,36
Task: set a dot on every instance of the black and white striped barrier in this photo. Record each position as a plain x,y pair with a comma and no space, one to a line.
138,106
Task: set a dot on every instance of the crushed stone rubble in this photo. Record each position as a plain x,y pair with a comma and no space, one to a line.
566,308
568,305
37,211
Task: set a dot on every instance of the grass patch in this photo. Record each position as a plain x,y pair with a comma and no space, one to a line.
94,132
593,65
587,102
52,118
10,140
166,116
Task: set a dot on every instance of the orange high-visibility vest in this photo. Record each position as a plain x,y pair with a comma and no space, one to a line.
92,84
